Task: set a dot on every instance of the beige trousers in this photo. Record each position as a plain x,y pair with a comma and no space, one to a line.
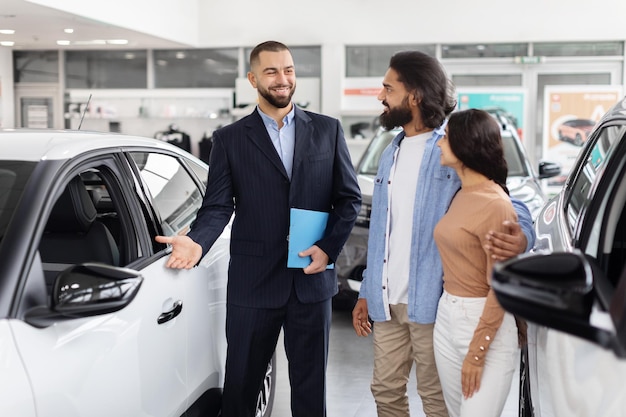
398,344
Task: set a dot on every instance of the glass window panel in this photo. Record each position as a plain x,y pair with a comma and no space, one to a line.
544,80
373,60
36,66
584,186
106,69
174,192
195,68
487,80
480,50
579,49
307,59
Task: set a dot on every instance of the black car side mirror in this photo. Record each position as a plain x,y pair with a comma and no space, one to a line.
85,290
555,290
548,169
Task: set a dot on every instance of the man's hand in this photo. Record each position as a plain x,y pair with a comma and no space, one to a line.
319,260
185,252
360,320
504,245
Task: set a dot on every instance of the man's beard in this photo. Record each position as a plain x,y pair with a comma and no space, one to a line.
278,102
396,117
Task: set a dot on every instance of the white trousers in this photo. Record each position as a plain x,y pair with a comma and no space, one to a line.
457,318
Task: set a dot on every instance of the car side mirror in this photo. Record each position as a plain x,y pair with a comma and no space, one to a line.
86,290
555,290
548,169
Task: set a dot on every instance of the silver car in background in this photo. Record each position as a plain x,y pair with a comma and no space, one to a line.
522,180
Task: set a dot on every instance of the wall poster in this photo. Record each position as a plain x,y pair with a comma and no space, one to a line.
570,114
507,102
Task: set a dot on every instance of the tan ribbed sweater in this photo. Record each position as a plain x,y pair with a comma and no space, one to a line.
460,237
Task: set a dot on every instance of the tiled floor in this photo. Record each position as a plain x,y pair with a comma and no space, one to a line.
349,373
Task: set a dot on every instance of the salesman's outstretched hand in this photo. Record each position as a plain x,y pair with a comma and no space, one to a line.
185,252
504,245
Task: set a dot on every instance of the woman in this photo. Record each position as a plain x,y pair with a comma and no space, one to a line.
475,341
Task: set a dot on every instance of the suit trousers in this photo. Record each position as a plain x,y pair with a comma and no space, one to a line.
252,334
457,318
398,343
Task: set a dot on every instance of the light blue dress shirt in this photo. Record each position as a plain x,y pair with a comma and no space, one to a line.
284,139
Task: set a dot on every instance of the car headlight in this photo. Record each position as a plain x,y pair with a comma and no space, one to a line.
535,205
529,195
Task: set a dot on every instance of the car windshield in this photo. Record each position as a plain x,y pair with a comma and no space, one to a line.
515,160
369,162
13,178
512,153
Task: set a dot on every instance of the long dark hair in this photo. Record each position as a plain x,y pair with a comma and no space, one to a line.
425,77
475,139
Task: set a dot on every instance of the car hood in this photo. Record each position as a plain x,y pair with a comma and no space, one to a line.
515,184
523,188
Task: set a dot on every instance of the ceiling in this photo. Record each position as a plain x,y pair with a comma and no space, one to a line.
38,27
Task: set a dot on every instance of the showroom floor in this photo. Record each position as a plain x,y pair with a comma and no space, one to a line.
349,373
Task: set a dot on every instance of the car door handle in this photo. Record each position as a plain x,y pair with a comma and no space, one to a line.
169,315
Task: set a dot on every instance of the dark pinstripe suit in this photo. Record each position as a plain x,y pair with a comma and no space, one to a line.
247,175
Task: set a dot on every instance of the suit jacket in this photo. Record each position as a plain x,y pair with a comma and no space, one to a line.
247,176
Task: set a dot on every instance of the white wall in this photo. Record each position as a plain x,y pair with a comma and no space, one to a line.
217,23
176,20
245,22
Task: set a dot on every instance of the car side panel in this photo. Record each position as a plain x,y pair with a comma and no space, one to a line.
118,364
206,314
583,379
13,377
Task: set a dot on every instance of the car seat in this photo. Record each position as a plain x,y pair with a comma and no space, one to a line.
73,234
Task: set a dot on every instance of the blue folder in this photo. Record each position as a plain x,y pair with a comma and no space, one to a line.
305,228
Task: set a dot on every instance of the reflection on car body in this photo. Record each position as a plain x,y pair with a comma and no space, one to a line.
92,323
573,289
522,182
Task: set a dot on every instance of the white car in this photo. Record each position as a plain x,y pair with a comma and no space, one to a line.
92,323
572,291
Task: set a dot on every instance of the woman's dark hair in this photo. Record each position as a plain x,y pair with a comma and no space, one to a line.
425,77
475,139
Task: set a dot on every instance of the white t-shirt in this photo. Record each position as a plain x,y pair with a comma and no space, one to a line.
401,196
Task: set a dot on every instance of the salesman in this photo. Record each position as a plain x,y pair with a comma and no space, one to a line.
277,158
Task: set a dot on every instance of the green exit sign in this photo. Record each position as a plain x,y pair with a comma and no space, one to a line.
528,59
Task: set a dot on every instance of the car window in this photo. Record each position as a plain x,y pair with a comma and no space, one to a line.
369,163
200,171
13,178
173,190
89,222
514,157
582,189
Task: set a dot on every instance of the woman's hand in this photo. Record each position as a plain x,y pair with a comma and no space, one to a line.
471,375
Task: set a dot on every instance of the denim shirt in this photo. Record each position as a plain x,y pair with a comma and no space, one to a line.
436,186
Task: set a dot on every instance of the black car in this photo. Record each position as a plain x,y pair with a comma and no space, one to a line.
522,182
572,289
